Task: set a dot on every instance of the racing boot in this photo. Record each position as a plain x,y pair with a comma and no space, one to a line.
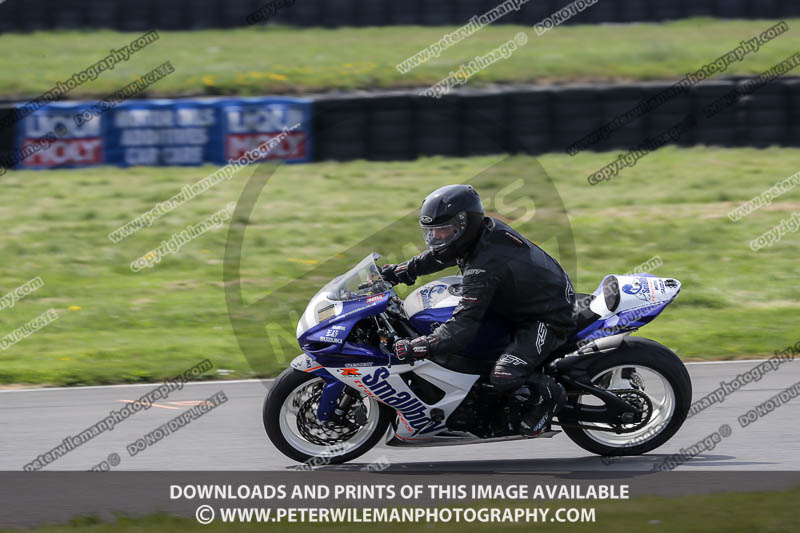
551,398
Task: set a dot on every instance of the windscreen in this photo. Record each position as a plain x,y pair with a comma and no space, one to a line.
362,280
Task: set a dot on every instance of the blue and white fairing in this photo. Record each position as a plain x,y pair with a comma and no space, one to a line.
323,332
434,303
337,307
641,298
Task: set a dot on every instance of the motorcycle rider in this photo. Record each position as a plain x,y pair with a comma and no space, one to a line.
502,272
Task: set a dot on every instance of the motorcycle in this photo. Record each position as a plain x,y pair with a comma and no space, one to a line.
347,390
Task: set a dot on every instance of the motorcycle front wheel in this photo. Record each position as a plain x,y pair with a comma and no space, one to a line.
290,419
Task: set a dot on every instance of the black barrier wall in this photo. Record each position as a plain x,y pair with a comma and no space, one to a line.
545,119
29,15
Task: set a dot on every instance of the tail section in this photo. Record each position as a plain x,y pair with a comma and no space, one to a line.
626,303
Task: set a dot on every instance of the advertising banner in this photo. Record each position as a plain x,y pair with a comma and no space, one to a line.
165,132
283,124
50,137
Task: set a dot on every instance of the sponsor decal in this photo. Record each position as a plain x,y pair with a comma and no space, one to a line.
632,288
305,364
638,289
375,298
651,286
413,413
332,335
474,271
426,294
350,371
644,291
425,219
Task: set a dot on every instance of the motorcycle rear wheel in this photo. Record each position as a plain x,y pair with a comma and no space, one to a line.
668,411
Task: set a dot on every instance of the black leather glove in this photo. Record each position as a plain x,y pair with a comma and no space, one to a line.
395,274
411,349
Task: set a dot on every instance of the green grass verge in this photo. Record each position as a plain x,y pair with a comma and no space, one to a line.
747,512
118,326
259,60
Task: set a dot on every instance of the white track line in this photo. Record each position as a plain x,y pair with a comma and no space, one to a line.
218,381
723,362
222,381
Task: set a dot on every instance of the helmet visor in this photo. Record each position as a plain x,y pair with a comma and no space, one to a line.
440,236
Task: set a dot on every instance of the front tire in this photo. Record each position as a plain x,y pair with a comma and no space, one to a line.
667,414
289,404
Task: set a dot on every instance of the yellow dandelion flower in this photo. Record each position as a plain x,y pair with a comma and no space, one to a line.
74,308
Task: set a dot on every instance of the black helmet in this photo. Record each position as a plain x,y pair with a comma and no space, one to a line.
451,219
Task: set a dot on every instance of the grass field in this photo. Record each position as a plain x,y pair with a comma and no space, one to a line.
259,60
752,512
119,326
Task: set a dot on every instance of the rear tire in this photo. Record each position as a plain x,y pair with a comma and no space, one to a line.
641,352
285,385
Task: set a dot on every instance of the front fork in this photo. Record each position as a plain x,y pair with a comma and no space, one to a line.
336,400
329,403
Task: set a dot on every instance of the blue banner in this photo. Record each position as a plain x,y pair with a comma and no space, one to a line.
166,132
283,124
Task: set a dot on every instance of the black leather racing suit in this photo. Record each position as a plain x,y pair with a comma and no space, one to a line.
515,279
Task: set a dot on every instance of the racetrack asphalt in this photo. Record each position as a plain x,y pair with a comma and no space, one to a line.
232,437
